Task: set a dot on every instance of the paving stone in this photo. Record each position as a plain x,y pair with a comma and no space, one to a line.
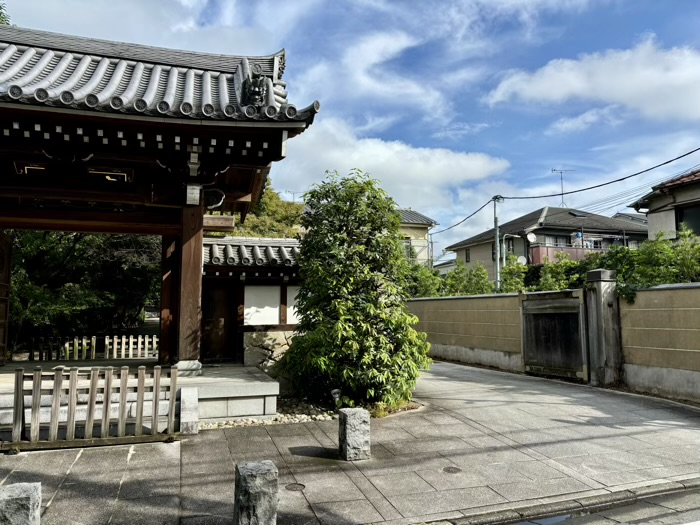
147,511
537,470
394,464
207,520
156,453
295,429
404,483
473,457
443,501
441,480
143,480
460,430
328,486
689,500
346,512
385,433
636,511
525,490
418,446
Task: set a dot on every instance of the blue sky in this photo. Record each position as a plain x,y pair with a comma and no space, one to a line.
453,101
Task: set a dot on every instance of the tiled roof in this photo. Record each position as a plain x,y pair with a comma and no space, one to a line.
556,219
413,217
693,176
51,69
660,189
248,252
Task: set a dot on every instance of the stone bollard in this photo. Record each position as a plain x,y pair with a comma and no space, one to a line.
20,504
354,434
189,411
255,500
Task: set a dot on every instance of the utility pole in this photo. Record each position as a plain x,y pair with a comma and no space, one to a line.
561,178
496,199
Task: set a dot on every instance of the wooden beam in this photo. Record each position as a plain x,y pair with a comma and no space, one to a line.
219,223
139,222
190,284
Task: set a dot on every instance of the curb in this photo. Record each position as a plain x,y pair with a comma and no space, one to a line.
588,504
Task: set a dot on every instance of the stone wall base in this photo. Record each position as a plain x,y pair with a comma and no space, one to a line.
666,382
478,356
264,349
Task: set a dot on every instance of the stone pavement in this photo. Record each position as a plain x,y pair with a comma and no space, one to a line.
485,441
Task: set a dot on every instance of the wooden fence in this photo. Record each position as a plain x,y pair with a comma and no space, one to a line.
73,407
83,348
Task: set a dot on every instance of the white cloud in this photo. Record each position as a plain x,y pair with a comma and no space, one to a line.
459,130
422,178
655,82
608,115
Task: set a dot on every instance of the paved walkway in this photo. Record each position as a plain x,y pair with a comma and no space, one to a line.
485,441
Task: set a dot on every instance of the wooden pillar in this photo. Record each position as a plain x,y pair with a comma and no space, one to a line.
189,319
169,296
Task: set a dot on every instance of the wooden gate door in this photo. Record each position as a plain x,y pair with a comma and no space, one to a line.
554,334
5,263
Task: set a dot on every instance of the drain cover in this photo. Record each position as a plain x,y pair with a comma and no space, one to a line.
452,470
295,487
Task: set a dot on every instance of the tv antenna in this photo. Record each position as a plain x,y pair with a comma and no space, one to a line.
561,178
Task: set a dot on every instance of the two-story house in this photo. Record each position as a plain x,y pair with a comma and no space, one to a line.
671,203
415,231
554,230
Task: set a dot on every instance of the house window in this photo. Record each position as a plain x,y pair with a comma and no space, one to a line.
467,255
550,240
262,305
633,245
690,216
562,241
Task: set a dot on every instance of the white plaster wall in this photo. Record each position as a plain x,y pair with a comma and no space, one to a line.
262,305
292,292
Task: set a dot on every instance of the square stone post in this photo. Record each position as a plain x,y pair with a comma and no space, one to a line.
20,504
353,434
603,318
189,410
256,493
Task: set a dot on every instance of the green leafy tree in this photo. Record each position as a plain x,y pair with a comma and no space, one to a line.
513,276
557,275
272,217
71,283
4,17
687,255
421,281
355,333
467,281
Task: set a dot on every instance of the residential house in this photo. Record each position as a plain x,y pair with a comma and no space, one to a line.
415,228
639,218
671,203
554,230
445,267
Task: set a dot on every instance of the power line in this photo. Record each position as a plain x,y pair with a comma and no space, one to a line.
465,219
605,183
592,204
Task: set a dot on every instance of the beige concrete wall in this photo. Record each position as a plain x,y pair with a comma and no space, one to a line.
661,341
479,329
414,232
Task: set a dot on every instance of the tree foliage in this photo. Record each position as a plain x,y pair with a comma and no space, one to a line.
70,283
473,280
355,333
272,217
421,281
4,17
513,276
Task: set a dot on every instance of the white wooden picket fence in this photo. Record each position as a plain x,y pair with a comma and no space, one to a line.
71,407
83,348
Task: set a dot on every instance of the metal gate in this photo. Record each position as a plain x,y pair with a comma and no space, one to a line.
554,337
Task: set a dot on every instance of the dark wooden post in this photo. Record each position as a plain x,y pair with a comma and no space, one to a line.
169,297
189,320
